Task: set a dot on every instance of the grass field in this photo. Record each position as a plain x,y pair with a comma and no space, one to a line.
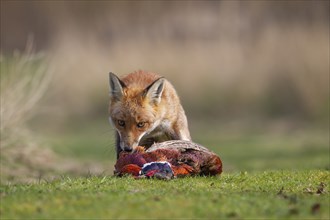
252,150
271,194
274,175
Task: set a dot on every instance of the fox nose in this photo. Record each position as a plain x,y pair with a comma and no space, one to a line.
128,149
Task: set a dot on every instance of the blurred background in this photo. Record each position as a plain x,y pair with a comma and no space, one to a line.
253,77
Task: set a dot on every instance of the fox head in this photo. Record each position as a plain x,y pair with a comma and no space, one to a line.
134,110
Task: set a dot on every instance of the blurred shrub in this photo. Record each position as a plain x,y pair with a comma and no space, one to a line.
228,60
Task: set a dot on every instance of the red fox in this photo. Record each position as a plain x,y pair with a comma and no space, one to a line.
145,108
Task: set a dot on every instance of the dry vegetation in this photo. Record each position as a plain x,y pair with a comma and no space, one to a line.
261,60
25,156
24,80
237,60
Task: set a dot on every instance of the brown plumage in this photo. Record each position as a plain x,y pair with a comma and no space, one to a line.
184,157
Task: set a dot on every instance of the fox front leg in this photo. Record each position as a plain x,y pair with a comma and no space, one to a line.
118,148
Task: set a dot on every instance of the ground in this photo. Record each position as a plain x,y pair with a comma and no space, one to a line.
266,175
270,194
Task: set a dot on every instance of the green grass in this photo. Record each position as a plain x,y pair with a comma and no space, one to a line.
266,175
271,194
260,151
240,151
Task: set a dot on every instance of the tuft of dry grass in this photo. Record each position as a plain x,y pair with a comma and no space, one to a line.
24,80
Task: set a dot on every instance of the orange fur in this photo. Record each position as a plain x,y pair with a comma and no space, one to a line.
133,101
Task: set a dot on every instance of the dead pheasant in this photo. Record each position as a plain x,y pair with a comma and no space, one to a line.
169,159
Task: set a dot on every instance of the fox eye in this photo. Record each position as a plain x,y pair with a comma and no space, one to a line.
121,123
140,124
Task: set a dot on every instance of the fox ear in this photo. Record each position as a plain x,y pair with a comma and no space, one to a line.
116,86
154,90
